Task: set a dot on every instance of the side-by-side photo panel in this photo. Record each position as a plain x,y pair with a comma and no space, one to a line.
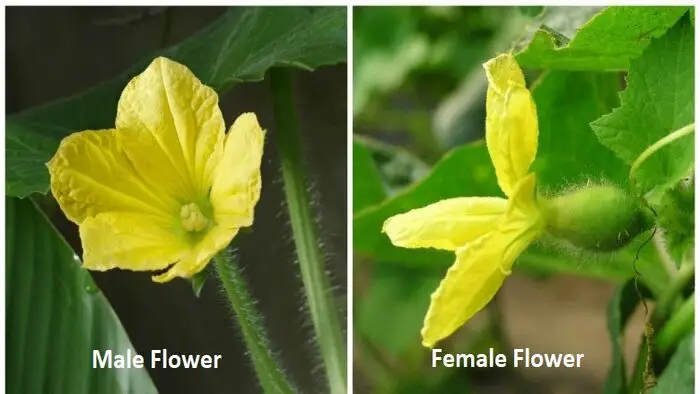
523,199
176,200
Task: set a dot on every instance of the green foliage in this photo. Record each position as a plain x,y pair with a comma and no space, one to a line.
56,316
396,167
678,378
367,187
387,39
239,47
658,100
607,41
197,282
568,152
403,291
619,310
676,216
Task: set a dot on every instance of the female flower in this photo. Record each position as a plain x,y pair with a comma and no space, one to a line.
165,188
487,234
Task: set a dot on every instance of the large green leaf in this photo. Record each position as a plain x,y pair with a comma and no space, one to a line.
678,377
608,41
660,98
238,47
56,316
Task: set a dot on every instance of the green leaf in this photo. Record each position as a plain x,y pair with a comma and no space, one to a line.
658,100
197,282
619,310
367,187
608,41
397,166
568,152
676,216
678,377
405,294
238,47
56,316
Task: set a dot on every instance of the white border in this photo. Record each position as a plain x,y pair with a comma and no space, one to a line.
350,330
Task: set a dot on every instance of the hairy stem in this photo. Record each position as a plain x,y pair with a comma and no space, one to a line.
320,300
270,374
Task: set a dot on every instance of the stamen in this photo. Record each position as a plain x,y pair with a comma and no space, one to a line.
192,218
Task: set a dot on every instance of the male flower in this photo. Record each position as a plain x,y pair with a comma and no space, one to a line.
165,188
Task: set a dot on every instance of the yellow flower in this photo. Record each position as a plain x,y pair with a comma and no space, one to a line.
165,188
487,234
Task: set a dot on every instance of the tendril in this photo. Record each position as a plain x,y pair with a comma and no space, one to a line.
648,374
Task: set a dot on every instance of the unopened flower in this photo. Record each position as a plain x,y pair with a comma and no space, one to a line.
487,234
166,189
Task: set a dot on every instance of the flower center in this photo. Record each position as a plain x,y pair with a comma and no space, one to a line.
192,218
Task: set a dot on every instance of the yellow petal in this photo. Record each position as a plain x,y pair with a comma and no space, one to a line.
214,241
482,265
473,280
167,107
91,175
132,241
236,187
503,72
511,122
522,207
447,224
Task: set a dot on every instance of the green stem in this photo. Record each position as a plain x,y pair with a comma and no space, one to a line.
637,383
663,307
676,328
668,298
320,300
648,152
270,374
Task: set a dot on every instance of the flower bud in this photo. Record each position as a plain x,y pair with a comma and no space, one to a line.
597,218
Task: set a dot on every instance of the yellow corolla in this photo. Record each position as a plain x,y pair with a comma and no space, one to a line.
487,234
166,188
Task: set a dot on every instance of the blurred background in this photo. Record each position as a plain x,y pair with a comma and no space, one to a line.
419,91
53,52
